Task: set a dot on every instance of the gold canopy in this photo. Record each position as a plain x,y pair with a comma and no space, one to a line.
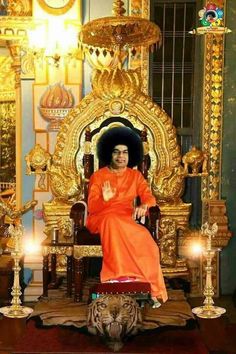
119,32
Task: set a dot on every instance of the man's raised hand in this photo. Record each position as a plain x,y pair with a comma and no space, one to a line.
107,191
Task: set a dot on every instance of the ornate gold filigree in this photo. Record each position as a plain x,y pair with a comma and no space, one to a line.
15,52
7,80
19,8
168,185
212,119
65,184
81,251
141,8
119,32
38,160
168,241
7,143
195,163
116,84
166,166
65,227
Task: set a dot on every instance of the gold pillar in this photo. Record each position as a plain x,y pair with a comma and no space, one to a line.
15,48
141,8
212,115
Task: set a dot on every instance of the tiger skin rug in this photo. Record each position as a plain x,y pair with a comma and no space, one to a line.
114,317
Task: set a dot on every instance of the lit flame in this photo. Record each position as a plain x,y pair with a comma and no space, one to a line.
196,248
32,247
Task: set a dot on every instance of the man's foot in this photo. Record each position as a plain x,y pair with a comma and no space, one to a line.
156,304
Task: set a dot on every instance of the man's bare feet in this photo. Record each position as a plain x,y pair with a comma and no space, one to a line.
156,302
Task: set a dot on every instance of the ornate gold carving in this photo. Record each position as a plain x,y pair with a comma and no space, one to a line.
37,160
116,106
166,170
217,214
60,250
168,185
195,163
65,228
116,84
212,119
15,52
19,8
81,251
119,32
141,8
66,185
7,143
53,212
168,241
178,212
7,80
180,269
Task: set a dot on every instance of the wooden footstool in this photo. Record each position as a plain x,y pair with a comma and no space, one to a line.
141,291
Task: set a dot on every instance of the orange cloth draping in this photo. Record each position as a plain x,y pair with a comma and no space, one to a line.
128,248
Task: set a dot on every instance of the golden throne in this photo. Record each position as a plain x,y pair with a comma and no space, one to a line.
117,99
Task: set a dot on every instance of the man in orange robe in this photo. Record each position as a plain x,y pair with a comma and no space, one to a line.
129,250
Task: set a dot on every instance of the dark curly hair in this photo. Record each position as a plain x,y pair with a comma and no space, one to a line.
120,136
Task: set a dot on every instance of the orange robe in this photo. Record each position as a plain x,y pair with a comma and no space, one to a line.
128,248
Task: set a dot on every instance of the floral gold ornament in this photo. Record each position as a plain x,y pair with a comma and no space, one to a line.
38,161
55,104
118,34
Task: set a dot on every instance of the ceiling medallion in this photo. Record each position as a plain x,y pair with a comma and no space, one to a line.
118,33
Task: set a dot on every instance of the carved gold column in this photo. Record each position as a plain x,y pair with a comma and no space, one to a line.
141,8
15,48
214,209
212,115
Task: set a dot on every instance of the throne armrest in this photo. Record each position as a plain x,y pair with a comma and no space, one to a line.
154,216
82,236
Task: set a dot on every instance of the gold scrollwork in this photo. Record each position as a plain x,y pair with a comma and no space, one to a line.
87,251
38,160
195,163
168,241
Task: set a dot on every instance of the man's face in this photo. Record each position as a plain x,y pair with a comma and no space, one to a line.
119,157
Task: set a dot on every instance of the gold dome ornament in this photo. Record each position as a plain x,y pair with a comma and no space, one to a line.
118,34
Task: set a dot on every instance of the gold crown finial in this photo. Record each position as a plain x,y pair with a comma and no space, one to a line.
118,8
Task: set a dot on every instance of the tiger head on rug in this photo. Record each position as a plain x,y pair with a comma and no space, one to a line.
114,317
